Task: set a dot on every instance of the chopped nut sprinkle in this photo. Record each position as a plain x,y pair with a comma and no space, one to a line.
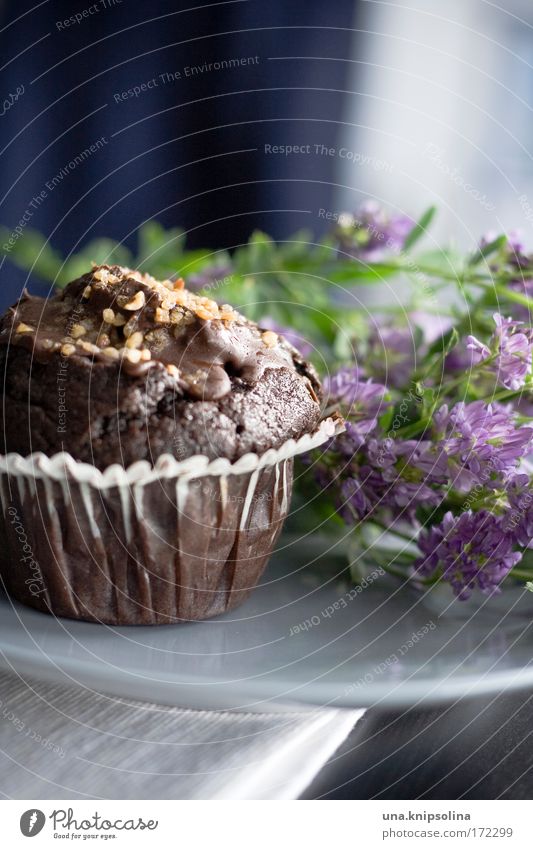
135,340
130,326
134,356
225,315
269,338
137,302
173,370
67,350
89,347
111,352
204,314
180,297
174,306
24,328
176,316
77,330
103,275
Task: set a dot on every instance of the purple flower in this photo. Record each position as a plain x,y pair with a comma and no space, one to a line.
382,476
344,386
353,502
360,400
371,233
210,278
524,286
519,520
290,334
513,258
391,355
468,551
418,460
514,247
481,443
410,480
460,359
356,394
509,353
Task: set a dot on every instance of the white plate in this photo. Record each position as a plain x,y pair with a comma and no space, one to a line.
362,653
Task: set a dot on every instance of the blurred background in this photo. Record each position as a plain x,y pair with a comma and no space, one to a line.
238,115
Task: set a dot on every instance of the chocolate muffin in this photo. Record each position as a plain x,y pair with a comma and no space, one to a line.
149,438
119,367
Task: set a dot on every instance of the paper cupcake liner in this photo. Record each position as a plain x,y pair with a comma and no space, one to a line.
177,541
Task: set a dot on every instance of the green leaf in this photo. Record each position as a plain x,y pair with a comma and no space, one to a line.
159,249
343,346
32,252
258,255
192,262
99,251
488,249
359,273
298,247
420,228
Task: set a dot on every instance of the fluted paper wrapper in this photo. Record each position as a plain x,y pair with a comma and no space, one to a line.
177,541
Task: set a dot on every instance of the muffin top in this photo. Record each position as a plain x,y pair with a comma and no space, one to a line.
116,314
161,361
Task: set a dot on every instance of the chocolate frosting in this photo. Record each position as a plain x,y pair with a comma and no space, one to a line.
203,344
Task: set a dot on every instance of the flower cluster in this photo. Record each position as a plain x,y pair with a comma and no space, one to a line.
519,519
469,550
391,355
458,485
480,444
439,426
371,233
520,266
509,352
371,472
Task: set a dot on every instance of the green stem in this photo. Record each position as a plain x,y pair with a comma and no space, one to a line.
521,574
392,570
507,395
388,529
413,429
511,295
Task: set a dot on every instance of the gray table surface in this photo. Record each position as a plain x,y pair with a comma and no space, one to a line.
476,749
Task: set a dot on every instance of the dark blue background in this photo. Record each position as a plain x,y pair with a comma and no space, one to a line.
147,170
